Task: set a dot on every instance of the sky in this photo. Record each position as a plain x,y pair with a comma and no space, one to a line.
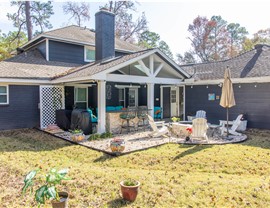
170,19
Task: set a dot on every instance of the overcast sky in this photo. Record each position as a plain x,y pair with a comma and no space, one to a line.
170,19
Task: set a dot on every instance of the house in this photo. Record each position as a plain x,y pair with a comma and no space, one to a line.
74,66
250,73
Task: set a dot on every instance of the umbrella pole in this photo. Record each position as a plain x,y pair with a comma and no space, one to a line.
227,122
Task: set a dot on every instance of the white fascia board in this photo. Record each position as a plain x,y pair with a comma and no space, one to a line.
173,63
234,81
24,81
141,79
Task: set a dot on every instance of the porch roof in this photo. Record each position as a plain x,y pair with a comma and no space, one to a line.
87,72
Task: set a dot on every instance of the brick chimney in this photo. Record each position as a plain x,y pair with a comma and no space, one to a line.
104,35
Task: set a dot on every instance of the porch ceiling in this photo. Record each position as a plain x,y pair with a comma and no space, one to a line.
150,66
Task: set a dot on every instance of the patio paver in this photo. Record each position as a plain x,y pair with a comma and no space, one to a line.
141,141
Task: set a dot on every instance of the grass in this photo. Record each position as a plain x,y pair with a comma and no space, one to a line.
234,175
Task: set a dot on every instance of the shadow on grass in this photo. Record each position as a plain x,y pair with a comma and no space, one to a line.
29,140
119,202
103,158
192,150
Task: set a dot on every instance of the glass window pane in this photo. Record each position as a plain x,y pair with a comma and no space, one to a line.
80,105
81,94
3,99
90,55
3,89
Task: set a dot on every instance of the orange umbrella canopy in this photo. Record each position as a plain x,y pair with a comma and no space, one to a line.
227,96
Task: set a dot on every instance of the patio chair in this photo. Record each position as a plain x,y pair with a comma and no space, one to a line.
200,114
92,116
157,112
234,125
199,128
163,131
128,116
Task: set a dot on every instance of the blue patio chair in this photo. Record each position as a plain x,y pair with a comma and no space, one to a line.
157,112
92,116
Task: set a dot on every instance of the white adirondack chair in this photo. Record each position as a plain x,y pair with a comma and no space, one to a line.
234,125
200,114
163,131
199,128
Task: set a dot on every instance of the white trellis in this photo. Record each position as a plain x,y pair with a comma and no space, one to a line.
51,99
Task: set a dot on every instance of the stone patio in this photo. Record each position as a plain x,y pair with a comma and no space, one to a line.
140,141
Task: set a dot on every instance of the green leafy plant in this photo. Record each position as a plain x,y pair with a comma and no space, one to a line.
130,182
48,191
100,136
76,131
175,119
94,137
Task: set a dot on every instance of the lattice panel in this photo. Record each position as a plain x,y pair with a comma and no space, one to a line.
51,99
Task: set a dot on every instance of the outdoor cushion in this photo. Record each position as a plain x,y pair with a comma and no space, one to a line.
157,112
92,116
118,108
110,108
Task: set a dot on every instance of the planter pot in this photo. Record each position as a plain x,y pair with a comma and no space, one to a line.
118,145
129,193
77,137
63,203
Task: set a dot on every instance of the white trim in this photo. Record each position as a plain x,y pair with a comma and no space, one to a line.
76,87
75,42
141,79
79,85
6,94
26,81
126,86
47,49
101,107
151,98
234,81
173,63
146,70
85,58
158,69
151,63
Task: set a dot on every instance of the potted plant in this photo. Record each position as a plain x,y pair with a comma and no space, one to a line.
117,145
189,132
175,119
129,189
48,191
77,135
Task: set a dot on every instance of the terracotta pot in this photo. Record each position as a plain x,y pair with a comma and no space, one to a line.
117,145
129,193
77,137
63,203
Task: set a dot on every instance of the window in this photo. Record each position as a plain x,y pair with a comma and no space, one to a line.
81,97
122,97
89,54
3,95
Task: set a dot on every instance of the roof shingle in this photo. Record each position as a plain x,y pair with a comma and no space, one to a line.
254,63
32,65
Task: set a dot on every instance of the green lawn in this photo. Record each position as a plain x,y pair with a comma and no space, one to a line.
234,175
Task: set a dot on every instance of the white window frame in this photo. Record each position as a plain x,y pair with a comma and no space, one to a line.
75,98
7,94
124,90
85,58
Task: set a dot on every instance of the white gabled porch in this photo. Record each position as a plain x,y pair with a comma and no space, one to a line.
148,69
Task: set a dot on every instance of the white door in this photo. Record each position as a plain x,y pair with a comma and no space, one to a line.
174,98
133,97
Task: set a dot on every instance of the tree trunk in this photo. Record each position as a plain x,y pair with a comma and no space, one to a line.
28,20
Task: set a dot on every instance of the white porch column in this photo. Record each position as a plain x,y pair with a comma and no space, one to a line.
101,107
150,98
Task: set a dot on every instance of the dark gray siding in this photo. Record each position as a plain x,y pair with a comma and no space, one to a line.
42,48
69,98
66,52
22,111
166,102
157,95
253,102
142,95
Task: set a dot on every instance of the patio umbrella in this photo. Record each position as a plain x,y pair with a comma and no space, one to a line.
227,96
